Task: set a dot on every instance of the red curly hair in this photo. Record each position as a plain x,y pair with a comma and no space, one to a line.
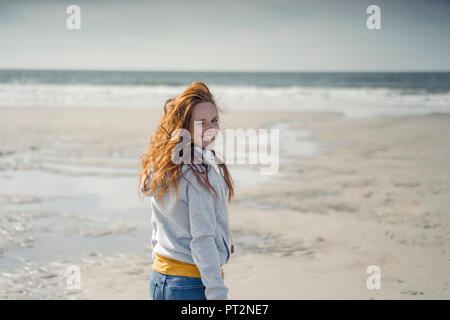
158,155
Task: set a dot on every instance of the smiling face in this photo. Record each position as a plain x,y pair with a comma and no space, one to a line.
204,124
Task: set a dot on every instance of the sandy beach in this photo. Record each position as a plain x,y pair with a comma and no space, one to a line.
375,192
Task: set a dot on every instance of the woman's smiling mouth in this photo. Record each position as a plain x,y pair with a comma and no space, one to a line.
209,138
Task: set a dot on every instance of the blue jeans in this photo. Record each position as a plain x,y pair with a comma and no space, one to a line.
168,287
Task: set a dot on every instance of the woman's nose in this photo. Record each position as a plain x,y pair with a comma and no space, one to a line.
209,126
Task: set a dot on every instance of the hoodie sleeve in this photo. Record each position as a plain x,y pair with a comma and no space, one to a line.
202,220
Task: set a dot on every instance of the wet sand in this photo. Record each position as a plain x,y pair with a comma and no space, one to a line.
375,193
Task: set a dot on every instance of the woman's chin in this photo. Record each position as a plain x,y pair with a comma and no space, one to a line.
209,143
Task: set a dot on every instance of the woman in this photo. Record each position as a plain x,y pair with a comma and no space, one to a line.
189,185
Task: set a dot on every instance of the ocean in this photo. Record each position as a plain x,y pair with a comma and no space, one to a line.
353,94
69,196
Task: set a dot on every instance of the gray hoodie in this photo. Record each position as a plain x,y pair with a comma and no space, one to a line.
194,227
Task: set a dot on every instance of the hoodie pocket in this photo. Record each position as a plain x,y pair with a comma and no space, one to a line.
226,247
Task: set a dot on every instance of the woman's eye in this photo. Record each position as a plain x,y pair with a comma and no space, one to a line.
216,120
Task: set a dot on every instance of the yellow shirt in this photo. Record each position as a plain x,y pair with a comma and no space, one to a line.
174,267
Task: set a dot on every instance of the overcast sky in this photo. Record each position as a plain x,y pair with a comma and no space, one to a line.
226,35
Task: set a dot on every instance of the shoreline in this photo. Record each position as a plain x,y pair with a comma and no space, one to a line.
348,210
